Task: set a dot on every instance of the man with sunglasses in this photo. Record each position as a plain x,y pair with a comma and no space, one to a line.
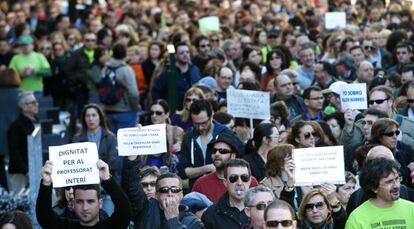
222,150
256,201
229,212
163,211
195,160
385,209
408,111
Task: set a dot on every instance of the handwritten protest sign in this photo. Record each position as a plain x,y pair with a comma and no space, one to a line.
207,24
335,20
146,140
314,166
354,96
248,104
74,164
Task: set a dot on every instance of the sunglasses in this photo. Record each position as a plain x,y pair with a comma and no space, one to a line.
377,101
308,135
204,46
410,100
214,40
147,184
221,151
190,100
317,205
244,177
275,223
260,206
158,113
368,47
391,134
173,189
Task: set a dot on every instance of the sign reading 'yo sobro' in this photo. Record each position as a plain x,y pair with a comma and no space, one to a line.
354,96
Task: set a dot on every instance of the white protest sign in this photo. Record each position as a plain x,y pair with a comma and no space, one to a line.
146,140
248,104
74,164
314,166
354,96
335,20
207,24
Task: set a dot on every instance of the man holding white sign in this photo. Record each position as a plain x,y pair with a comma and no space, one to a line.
87,202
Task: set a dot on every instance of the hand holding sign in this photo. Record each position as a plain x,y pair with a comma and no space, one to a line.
103,170
47,173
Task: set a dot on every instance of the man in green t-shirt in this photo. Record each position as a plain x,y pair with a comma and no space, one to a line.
31,66
380,181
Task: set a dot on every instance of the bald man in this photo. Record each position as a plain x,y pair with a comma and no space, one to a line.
359,197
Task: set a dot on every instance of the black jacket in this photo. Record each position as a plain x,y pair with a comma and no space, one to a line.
146,213
17,141
222,215
76,70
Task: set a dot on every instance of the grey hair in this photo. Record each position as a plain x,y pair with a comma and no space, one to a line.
22,97
253,191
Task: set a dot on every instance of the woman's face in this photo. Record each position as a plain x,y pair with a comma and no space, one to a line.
335,127
69,194
158,115
306,137
262,38
155,52
345,191
255,57
390,138
190,99
275,61
92,118
273,139
148,183
317,213
46,49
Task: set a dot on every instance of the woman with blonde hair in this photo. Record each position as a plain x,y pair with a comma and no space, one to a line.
182,118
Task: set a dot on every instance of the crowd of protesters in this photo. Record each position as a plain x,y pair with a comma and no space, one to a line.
219,171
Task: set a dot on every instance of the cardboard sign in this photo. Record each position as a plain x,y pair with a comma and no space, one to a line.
146,140
248,104
315,166
207,24
354,96
335,20
74,164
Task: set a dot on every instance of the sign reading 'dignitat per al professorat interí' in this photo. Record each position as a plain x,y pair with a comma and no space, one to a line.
248,104
74,164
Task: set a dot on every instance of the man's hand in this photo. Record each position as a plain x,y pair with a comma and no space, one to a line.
47,173
290,168
103,170
170,206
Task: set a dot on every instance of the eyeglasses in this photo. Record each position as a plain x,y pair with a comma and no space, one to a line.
317,98
377,101
221,151
308,135
147,184
173,189
369,122
157,113
317,205
275,223
34,102
244,177
260,206
410,100
190,100
204,46
392,134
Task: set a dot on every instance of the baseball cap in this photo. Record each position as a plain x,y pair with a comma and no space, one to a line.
335,88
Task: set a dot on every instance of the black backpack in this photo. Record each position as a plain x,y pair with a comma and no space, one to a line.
109,89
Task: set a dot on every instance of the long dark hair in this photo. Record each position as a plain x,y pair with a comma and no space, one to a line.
103,122
262,130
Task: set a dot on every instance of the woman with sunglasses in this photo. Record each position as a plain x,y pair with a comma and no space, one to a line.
321,209
182,118
280,214
265,137
148,177
302,135
385,132
159,113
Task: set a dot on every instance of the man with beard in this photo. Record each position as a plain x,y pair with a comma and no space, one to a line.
229,211
222,150
381,183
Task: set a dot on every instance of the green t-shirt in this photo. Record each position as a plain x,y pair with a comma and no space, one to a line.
367,216
34,60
